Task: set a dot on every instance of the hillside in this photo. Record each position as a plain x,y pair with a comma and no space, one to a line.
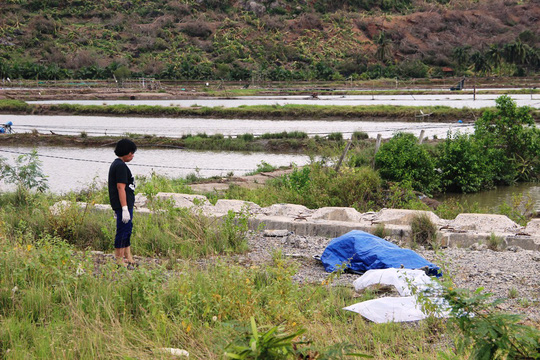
267,39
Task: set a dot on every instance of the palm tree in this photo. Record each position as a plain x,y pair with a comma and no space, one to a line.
479,62
461,55
495,55
384,47
515,52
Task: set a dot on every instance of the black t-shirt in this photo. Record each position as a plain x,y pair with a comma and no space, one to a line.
120,173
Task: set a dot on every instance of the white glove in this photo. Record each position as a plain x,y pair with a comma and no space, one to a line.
125,215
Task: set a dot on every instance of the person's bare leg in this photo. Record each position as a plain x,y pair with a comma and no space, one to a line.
119,254
128,256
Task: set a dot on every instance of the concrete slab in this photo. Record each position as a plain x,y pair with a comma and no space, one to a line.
404,217
337,214
184,200
489,223
289,210
224,205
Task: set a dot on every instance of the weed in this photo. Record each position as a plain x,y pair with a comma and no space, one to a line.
274,343
513,293
424,231
495,242
380,231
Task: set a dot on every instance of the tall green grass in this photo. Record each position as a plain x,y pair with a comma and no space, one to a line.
289,111
55,303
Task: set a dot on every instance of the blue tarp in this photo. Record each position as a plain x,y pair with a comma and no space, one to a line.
362,251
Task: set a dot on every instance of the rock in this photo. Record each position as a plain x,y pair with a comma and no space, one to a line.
288,210
140,201
174,352
478,247
337,214
184,200
276,233
533,227
403,217
488,223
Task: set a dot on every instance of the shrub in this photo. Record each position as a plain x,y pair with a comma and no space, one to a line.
198,29
463,165
403,159
335,136
513,139
247,137
359,135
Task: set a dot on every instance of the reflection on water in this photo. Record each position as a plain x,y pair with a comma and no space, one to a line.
493,199
75,169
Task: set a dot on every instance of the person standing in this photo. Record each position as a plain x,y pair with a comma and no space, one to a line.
122,197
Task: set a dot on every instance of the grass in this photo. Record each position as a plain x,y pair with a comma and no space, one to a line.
299,112
58,302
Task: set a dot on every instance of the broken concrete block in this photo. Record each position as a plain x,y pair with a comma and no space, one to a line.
337,214
184,200
533,227
223,206
403,217
488,223
288,210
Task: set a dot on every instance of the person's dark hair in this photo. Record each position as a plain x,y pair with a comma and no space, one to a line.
124,147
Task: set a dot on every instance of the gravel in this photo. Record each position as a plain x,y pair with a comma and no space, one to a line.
511,274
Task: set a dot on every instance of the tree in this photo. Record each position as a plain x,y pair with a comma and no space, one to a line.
384,48
513,139
461,55
480,63
494,55
402,159
26,174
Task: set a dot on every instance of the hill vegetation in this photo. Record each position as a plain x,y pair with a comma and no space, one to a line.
267,39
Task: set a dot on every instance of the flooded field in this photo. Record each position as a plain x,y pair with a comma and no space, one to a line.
70,169
461,100
176,127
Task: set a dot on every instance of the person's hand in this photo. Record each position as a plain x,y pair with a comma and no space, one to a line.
125,215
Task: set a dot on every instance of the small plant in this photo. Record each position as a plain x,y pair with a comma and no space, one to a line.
380,231
495,242
359,135
513,293
26,174
335,136
84,134
424,231
262,167
274,343
247,137
488,334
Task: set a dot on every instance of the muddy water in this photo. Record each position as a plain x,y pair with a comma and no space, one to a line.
460,100
74,169
176,127
493,199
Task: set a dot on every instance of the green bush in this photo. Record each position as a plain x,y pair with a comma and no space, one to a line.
464,165
335,136
403,159
512,141
360,135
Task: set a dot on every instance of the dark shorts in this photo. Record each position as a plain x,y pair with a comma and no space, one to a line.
123,231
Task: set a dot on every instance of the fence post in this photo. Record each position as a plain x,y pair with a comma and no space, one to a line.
377,146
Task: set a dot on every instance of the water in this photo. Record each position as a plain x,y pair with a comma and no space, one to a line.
176,127
73,169
493,199
458,100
